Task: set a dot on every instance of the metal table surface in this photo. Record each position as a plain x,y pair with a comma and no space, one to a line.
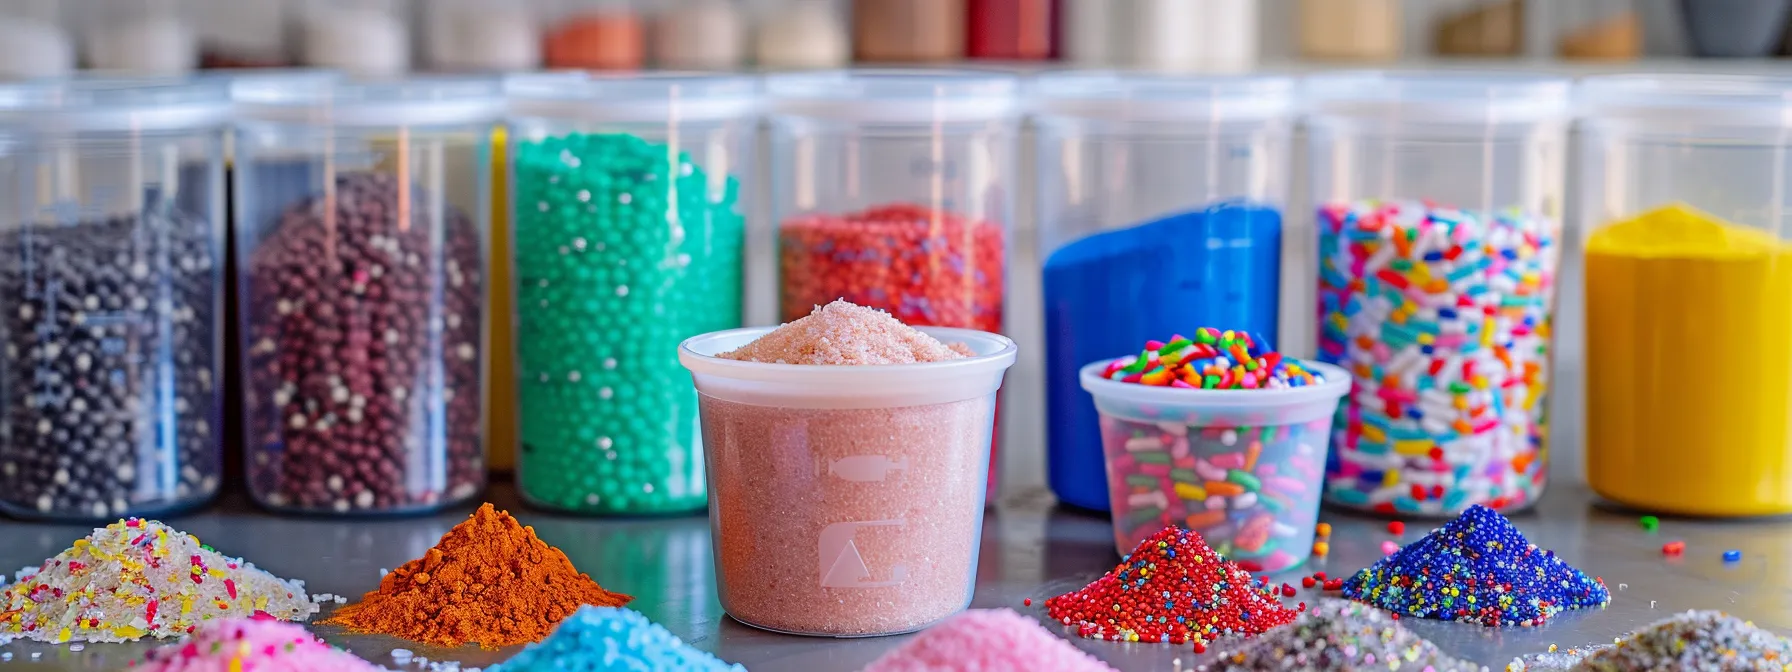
1031,549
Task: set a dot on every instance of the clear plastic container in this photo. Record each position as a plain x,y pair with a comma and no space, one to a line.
876,470
362,275
700,35
1688,252
1439,200
34,40
365,38
481,36
241,33
1598,30
111,275
594,35
800,35
908,31
1242,467
629,232
893,189
152,37
1128,163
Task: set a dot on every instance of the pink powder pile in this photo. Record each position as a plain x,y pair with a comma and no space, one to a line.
847,334
987,639
251,645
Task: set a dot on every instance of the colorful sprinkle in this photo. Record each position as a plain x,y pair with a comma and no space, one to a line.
1477,568
1650,523
1173,588
137,578
1213,359
1673,548
1732,556
250,645
1442,317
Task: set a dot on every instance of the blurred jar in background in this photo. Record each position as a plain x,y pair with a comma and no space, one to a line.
700,35
1486,29
240,33
911,31
594,35
1599,30
480,35
1350,30
1163,35
1013,30
33,42
359,37
153,37
800,35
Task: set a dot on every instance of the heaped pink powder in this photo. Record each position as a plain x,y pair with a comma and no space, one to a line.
847,334
987,639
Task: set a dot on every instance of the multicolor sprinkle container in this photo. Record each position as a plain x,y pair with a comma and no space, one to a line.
1243,467
1688,254
629,231
361,247
111,297
1159,206
893,189
1439,208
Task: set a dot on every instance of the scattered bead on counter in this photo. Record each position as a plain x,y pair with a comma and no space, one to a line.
1732,556
1673,548
1477,568
1650,523
140,578
1442,316
1173,588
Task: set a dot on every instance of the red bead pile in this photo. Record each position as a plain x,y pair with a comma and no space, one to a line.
926,267
1172,588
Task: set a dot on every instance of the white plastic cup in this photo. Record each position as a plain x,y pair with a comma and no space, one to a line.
846,501
1245,468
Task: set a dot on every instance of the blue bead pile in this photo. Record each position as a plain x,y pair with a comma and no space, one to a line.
1477,568
612,639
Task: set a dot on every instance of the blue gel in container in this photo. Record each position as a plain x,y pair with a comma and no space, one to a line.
1108,293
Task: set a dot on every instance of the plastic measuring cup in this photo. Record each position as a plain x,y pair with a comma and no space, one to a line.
1243,467
846,501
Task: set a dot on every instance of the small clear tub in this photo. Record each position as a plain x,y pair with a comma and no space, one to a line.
847,501
1245,468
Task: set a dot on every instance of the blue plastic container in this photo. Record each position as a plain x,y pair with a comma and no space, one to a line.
1159,213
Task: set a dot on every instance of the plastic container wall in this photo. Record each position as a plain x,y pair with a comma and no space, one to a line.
594,35
908,31
700,35
1683,200
361,291
800,35
893,189
1153,190
156,37
242,33
1598,30
629,230
365,38
480,35
111,270
851,503
1439,201
34,40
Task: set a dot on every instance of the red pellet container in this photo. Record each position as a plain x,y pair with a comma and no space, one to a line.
893,189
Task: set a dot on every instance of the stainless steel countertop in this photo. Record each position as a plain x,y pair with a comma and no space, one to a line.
1031,549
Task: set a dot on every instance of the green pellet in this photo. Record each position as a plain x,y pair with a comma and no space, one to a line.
1152,458
1244,478
1651,523
623,248
1186,476
1141,517
1142,480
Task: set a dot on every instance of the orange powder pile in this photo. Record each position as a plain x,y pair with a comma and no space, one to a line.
488,581
847,334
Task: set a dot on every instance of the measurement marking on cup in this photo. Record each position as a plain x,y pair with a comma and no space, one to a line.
841,564
866,468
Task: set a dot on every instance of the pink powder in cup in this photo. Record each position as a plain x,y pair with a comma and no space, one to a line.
847,499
